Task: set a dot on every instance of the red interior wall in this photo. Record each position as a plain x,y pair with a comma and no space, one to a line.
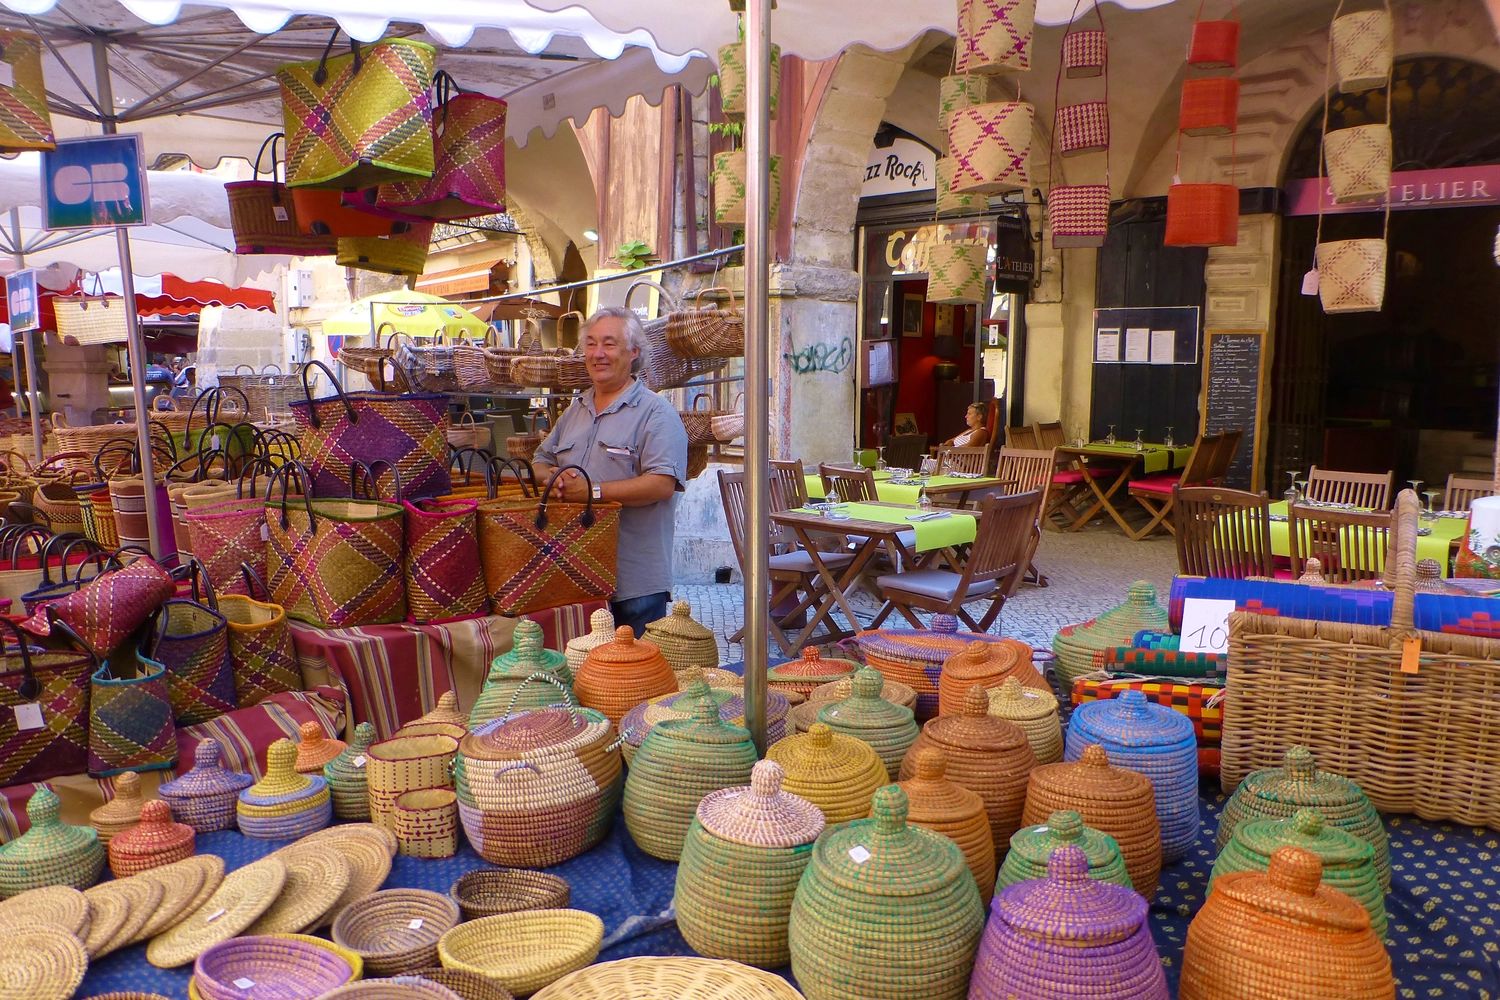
916,392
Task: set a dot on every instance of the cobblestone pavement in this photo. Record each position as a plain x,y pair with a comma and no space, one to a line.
1087,571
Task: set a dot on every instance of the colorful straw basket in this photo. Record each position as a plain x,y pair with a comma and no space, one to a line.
1075,644
427,823
403,764
619,675
801,676
396,931
888,729
915,657
346,776
524,951
682,641
1032,846
50,852
937,804
204,798
838,774
284,805
639,721
1036,713
988,664
155,841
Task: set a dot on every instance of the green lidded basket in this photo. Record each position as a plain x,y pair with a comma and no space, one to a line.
509,673
743,857
885,911
1279,792
51,852
1075,645
345,774
680,761
1348,862
1032,846
889,729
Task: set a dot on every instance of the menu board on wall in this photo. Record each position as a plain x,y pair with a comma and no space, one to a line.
1234,389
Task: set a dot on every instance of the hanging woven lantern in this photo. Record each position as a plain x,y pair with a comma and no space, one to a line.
1031,846
730,177
1215,44
838,774
956,272
1078,214
732,78
1085,53
961,90
1210,106
995,36
889,729
1359,162
1351,275
990,146
1364,50
949,201
939,805
1082,128
1202,215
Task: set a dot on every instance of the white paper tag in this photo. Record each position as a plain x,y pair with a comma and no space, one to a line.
279,213
359,761
1205,625
859,854
244,982
29,716
1310,282
1176,178
214,916
216,445
415,925
7,74
265,532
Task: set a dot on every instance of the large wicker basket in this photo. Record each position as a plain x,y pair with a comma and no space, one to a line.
1421,742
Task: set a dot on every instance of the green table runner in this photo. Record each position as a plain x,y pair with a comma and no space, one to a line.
1157,457
1436,546
958,528
892,493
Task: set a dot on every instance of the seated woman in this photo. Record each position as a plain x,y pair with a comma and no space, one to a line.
976,435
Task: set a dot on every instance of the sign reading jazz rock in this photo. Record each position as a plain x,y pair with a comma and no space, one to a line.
902,167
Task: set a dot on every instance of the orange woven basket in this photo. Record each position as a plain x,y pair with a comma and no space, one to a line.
1202,215
988,664
619,675
1210,106
957,813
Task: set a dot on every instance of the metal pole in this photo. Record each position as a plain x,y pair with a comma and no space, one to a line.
757,362
34,400
135,348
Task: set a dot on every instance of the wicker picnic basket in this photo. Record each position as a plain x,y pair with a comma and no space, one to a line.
1036,713
1416,742
345,774
1282,936
601,630
652,978
885,911
122,811
915,657
679,762
988,664
1075,645
1348,862
937,804
813,669
403,764
743,856
284,804
619,675
526,950
889,729
1153,740
396,930
682,641
155,841
988,756
1068,935
1110,799
204,797
511,684
1279,792
50,852
838,774
485,892
1031,846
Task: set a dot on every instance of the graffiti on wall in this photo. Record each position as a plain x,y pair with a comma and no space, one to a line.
828,358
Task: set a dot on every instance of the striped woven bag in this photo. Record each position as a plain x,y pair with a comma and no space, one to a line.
260,649
192,642
443,578
130,720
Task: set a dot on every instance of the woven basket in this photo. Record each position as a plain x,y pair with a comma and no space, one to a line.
1364,48
488,891
1112,800
1075,645
990,146
444,718
949,201
1152,740
937,804
155,841
404,255
122,811
961,90
403,764
427,823
682,641
838,774
42,963
706,329
729,181
733,86
639,721
284,804
1031,846
601,630
346,776
988,664
396,930
1359,162
885,910
1036,713
892,691
511,684
50,852
988,756
888,729
1068,935
680,761
1281,934
1210,105
524,951
956,272
464,985
400,988
650,978
1202,215
915,657
315,748
802,676
749,846
272,965
995,37
619,675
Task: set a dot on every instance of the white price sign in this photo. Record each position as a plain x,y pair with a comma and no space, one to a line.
1205,625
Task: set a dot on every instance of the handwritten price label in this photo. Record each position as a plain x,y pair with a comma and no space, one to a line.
1205,625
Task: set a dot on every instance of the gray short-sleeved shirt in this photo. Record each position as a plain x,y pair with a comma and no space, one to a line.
639,434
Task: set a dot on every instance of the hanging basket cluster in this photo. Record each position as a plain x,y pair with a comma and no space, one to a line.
1203,212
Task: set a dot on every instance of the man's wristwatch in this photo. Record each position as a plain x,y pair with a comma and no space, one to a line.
598,492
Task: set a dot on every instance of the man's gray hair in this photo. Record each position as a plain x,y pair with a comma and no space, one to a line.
635,334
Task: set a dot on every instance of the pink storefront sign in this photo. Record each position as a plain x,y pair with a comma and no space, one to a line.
1455,187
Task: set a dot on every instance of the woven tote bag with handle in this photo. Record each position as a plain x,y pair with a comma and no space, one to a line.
708,329
402,254
443,578
263,215
261,653
994,36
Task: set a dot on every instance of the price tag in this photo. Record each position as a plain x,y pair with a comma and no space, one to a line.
215,443
1310,282
1205,625
7,74
415,925
1411,655
29,716
244,982
359,761
265,532
214,916
279,213
859,854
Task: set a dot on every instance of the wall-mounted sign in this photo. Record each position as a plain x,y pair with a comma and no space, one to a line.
95,182
20,297
1015,259
900,168
1455,187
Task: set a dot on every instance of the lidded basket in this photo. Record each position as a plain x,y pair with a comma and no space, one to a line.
684,642
892,691
1142,736
889,729
347,776
284,804
988,756
315,748
51,852
121,812
1283,936
681,761
1035,711
1075,645
915,657
937,804
1032,846
801,676
601,631
506,688
204,797
1068,935
444,720
1348,862
619,675
885,910
988,664
641,719
156,840
1110,799
838,774
750,845
1278,792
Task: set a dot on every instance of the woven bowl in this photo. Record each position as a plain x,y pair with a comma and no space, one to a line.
379,929
466,985
524,951
405,988
270,965
662,978
488,891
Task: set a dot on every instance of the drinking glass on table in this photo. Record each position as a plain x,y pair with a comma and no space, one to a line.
1302,491
1167,440
929,463
923,500
1430,514
1139,443
1290,496
880,458
1078,439
859,457
1110,437
1416,486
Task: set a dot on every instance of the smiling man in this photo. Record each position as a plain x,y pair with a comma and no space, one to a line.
633,446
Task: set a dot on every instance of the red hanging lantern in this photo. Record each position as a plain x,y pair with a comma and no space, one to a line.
1210,106
1202,215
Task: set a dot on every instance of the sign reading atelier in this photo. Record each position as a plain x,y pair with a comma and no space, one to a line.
1410,189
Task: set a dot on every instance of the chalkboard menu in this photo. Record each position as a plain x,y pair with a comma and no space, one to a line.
1232,397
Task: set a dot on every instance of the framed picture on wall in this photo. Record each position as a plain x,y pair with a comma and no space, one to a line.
970,320
906,423
942,324
911,316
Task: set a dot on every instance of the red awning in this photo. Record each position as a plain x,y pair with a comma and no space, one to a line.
178,298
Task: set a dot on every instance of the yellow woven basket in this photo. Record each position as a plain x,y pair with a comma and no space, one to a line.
524,951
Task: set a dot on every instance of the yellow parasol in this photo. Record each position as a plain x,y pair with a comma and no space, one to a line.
417,314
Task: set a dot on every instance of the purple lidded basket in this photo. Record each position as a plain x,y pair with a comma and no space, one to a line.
1067,935
254,968
205,796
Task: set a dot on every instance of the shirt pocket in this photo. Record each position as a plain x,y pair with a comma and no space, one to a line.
619,455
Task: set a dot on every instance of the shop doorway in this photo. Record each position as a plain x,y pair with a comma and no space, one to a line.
1413,388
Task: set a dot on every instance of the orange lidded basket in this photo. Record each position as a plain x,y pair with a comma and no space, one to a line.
619,675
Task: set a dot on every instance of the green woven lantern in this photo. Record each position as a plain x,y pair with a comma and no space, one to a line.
1348,862
885,911
345,775
508,675
1032,846
743,857
1075,645
680,761
889,729
1279,792
51,852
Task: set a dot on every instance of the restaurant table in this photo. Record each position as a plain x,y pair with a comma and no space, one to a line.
956,488
871,526
1447,533
1128,463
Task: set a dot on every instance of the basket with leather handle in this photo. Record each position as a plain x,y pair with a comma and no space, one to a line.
263,214
371,361
665,368
524,446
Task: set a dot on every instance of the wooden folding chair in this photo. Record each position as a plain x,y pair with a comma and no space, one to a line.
969,460
852,485
1030,470
788,490
1022,437
1224,533
1351,544
1050,434
1462,492
1369,490
905,451
1158,492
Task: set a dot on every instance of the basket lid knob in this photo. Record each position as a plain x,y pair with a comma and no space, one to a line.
811,654
527,638
311,733
765,778
867,683
1141,592
156,812
128,786
1066,824
364,735
1131,704
447,702
1296,870
682,609
43,807
889,807
1301,764
1010,690
625,636
930,763
281,757
1308,822
601,621
976,701
1068,864
1094,756
207,753
946,624
819,736
977,652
